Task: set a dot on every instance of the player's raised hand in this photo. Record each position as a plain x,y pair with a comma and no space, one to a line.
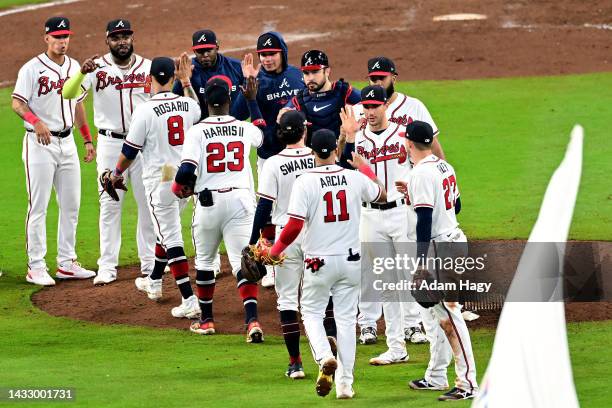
349,125
90,152
43,135
184,68
281,112
89,65
249,90
358,160
248,69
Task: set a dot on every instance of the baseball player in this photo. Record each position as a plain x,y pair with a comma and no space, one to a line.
383,147
217,151
158,131
401,109
433,196
50,154
278,82
119,81
328,200
276,181
322,99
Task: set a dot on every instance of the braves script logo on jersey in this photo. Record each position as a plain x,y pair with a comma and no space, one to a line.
402,120
45,85
133,80
386,152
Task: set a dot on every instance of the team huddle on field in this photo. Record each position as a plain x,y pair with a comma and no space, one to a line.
336,168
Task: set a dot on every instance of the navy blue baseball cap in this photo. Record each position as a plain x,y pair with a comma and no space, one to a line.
373,95
314,60
268,42
162,67
292,120
324,141
119,25
419,131
381,66
58,26
217,90
204,39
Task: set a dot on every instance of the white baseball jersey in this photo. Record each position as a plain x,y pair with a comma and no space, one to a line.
387,156
158,129
219,147
278,175
433,184
39,84
403,110
329,200
118,92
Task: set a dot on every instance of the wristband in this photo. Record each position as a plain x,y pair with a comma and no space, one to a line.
85,133
186,86
117,172
31,118
367,171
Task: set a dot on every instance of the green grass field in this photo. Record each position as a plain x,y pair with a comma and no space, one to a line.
4,4
504,137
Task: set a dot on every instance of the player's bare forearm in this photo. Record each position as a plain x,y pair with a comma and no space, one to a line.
436,148
123,163
20,108
190,93
80,117
382,198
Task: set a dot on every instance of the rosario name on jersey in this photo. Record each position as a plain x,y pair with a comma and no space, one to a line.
39,84
329,199
278,175
117,93
387,156
219,147
403,110
432,183
158,129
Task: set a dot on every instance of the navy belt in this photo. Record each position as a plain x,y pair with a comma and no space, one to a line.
384,206
112,134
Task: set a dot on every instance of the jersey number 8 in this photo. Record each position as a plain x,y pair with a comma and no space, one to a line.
176,131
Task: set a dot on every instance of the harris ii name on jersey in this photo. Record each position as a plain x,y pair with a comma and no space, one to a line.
169,107
223,130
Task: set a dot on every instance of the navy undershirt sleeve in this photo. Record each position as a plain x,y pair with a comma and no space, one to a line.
423,230
262,215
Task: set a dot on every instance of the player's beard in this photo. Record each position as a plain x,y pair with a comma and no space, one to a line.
123,56
390,90
317,87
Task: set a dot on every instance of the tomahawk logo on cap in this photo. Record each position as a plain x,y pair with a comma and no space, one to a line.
373,95
117,26
57,26
204,39
381,66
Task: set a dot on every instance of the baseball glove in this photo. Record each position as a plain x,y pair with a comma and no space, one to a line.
254,259
110,187
425,295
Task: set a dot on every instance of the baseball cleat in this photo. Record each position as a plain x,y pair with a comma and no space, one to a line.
40,276
268,280
189,308
325,380
152,287
344,391
456,394
203,328
105,277
254,333
295,371
414,335
368,335
387,358
423,384
333,345
73,270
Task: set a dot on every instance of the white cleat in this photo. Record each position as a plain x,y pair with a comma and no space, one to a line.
414,335
387,358
268,280
344,391
40,276
105,277
189,308
152,287
73,270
